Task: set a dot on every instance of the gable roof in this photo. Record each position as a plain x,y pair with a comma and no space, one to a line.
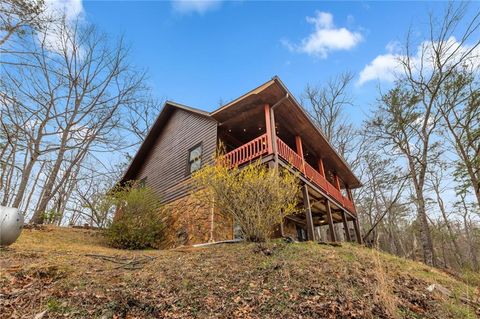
275,91
153,133
269,87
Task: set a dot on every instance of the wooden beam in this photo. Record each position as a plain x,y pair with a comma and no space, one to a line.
345,226
321,168
268,128
349,193
337,181
357,231
333,237
350,197
271,133
298,144
308,213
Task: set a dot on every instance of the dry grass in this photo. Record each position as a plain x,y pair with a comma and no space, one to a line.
384,289
49,271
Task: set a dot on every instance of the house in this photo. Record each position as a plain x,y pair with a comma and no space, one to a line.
265,124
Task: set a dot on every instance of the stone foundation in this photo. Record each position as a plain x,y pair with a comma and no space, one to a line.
192,222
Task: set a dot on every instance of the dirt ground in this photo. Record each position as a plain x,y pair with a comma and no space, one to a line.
70,273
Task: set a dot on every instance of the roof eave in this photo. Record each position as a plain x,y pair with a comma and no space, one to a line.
167,106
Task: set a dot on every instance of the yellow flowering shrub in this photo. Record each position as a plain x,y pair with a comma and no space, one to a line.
257,198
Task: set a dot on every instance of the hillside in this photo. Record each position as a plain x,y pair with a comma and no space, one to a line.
70,273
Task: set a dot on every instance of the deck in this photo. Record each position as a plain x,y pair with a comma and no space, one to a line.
260,147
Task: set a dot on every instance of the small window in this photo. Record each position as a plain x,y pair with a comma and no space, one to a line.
142,182
195,158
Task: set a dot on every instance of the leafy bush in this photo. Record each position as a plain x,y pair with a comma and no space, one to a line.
140,219
257,198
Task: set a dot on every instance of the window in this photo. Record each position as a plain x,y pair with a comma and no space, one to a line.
142,182
195,158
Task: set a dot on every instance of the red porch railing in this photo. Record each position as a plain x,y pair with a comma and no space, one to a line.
313,175
247,152
290,155
259,147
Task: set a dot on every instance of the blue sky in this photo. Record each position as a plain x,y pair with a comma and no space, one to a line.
199,53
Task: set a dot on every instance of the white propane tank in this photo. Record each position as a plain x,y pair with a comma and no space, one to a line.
11,224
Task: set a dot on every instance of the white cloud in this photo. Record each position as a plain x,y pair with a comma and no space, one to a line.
70,8
385,66
195,6
325,38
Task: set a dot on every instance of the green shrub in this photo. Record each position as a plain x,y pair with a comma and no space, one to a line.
140,219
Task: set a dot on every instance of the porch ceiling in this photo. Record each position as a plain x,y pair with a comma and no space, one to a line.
246,114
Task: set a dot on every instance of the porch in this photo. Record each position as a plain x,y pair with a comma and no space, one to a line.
258,148
327,199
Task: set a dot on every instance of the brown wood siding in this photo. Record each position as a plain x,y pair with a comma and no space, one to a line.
165,167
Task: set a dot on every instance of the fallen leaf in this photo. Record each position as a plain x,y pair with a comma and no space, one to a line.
40,315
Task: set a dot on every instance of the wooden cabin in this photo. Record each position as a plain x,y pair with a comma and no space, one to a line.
265,124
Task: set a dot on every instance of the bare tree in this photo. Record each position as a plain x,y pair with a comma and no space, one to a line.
66,96
141,117
461,123
384,184
98,82
327,106
408,116
18,15
472,244
435,177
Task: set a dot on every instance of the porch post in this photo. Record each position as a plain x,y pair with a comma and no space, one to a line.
268,128
298,144
349,194
308,213
333,237
345,226
357,231
350,197
337,181
271,132
321,168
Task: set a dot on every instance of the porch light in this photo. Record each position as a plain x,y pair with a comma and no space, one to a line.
244,129
229,130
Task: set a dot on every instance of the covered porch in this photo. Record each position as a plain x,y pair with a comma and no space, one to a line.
279,135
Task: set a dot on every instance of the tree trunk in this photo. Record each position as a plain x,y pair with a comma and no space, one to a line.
425,235
471,248
38,216
452,239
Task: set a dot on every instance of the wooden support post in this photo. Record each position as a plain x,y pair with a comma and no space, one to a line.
268,128
321,168
298,144
345,226
357,231
271,133
350,197
337,181
349,192
333,237
308,213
